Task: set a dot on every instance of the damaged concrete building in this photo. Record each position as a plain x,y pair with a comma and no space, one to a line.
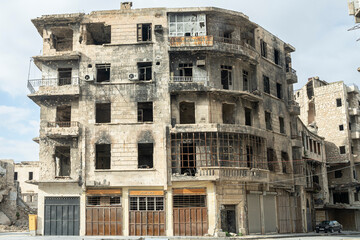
332,110
177,122
25,173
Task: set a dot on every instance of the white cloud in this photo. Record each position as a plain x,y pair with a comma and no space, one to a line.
19,150
17,120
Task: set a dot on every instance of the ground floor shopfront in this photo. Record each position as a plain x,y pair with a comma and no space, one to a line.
184,209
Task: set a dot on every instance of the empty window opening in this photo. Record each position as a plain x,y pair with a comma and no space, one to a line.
62,161
63,117
103,112
64,76
319,148
341,127
268,121
311,113
146,203
15,176
31,175
356,196
341,197
266,84
277,56
145,111
271,159
245,80
145,71
249,156
263,46
61,39
144,32
188,201
187,113
279,91
315,151
103,156
98,34
342,149
338,174
103,200
228,113
338,102
145,155
103,72
227,37
286,165
248,117
186,69
282,125
309,89
228,218
188,160
226,76
311,145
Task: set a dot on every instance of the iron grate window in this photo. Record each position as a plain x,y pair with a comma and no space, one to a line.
103,200
184,201
146,203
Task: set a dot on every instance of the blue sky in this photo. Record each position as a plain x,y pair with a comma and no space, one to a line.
316,28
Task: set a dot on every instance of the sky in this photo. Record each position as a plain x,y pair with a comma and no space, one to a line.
316,28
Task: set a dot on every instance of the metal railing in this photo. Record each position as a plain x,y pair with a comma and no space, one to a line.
229,40
34,84
290,70
188,79
62,124
226,172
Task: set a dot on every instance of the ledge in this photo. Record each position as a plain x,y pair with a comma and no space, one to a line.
126,170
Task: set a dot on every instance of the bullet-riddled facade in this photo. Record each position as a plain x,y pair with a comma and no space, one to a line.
332,110
166,122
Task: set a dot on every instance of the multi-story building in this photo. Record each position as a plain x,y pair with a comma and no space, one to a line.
332,110
166,122
25,173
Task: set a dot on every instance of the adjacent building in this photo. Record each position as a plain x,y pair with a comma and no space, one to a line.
25,173
332,110
170,122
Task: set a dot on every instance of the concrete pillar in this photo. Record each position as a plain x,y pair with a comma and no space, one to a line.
83,214
169,213
125,205
213,208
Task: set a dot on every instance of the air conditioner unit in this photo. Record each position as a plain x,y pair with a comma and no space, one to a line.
89,78
133,76
159,28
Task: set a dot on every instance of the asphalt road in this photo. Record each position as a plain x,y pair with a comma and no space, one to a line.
26,236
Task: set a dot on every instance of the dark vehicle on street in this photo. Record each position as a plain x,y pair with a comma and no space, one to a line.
329,226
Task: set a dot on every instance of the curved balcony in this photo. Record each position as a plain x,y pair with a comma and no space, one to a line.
291,76
235,47
226,174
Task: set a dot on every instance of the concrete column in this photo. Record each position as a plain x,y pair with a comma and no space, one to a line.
213,208
83,214
125,205
262,214
241,212
169,213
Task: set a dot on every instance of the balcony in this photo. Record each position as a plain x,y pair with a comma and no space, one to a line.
53,87
188,83
291,76
355,135
231,46
226,174
354,111
353,89
294,107
296,141
62,129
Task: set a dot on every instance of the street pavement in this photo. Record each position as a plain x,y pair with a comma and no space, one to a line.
308,236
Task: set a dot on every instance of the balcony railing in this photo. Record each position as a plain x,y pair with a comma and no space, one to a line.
234,173
62,124
233,41
290,70
34,84
188,79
